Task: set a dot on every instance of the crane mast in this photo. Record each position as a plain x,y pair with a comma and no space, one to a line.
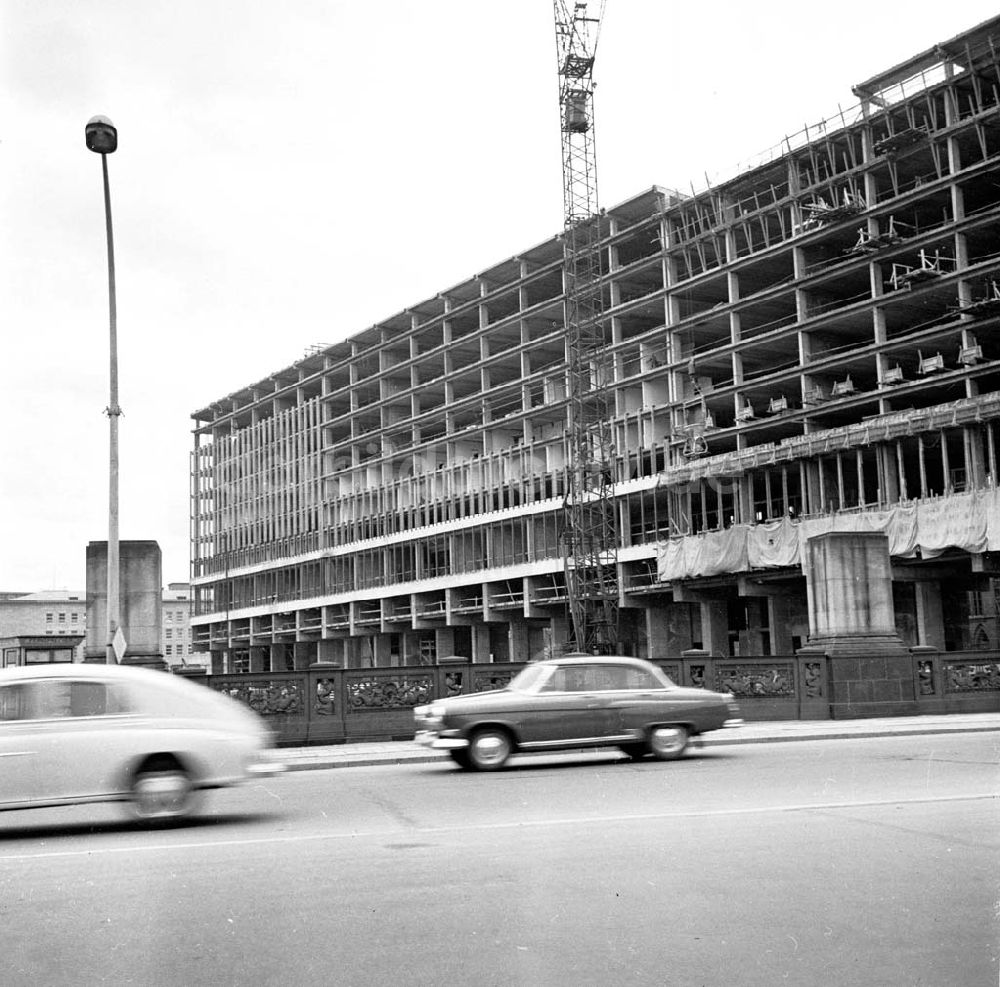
590,537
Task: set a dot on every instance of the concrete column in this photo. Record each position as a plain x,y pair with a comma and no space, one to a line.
303,654
780,619
481,643
849,586
331,649
852,621
930,615
559,634
668,629
274,660
444,641
381,648
519,643
752,640
715,627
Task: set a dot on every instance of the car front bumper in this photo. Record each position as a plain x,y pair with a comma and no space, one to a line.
431,738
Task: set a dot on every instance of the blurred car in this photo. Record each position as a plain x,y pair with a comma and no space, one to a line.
78,733
574,702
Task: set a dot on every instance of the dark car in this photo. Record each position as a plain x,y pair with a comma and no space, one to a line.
574,702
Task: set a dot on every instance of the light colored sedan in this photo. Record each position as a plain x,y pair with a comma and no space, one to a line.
78,733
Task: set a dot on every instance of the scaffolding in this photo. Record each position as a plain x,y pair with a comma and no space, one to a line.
590,538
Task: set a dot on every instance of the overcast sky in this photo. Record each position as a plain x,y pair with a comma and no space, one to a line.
290,173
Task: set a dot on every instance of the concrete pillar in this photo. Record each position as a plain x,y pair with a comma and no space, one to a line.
849,585
754,639
381,650
715,627
303,654
330,650
259,659
559,634
537,640
780,619
444,642
930,615
668,628
481,643
519,647
852,621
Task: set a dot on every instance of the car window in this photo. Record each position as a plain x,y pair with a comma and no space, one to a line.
641,678
572,678
59,699
609,677
13,702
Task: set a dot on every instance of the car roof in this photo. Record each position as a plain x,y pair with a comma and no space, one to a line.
86,670
99,671
582,659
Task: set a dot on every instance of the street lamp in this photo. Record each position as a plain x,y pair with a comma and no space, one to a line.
102,139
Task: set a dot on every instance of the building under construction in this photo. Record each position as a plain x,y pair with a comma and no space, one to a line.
804,351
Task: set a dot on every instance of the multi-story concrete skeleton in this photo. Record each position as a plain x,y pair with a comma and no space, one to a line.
809,345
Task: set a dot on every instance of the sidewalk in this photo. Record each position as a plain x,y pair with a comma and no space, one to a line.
771,732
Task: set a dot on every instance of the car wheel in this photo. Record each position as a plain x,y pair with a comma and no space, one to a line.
668,741
461,758
489,749
634,751
162,790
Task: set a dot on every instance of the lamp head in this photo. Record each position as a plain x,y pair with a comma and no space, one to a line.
102,137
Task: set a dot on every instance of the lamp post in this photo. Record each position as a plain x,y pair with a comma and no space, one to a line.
102,139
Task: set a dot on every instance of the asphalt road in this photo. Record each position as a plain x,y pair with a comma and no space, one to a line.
869,862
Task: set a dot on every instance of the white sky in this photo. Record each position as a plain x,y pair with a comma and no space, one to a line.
290,173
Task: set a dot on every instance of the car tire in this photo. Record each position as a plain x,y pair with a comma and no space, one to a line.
489,749
668,741
162,789
461,758
634,751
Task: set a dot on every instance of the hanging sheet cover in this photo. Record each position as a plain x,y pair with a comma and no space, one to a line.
958,521
967,521
773,545
710,554
992,498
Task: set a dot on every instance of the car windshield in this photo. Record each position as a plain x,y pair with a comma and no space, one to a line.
589,677
528,678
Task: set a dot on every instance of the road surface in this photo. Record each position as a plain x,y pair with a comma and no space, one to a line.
868,862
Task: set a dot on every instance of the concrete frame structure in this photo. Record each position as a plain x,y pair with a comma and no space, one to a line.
813,338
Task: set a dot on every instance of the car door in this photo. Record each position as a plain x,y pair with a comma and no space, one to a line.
641,699
567,709
91,736
80,738
18,747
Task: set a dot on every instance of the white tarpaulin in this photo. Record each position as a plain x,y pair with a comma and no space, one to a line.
967,521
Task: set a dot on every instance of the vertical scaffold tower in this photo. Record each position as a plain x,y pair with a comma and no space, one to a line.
590,539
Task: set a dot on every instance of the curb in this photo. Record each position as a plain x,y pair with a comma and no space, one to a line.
326,759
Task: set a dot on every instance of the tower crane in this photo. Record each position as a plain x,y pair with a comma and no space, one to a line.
590,536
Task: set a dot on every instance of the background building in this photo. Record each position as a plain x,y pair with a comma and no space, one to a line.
53,613
176,624
805,351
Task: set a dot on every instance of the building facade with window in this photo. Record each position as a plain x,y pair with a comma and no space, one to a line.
49,614
176,645
807,349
